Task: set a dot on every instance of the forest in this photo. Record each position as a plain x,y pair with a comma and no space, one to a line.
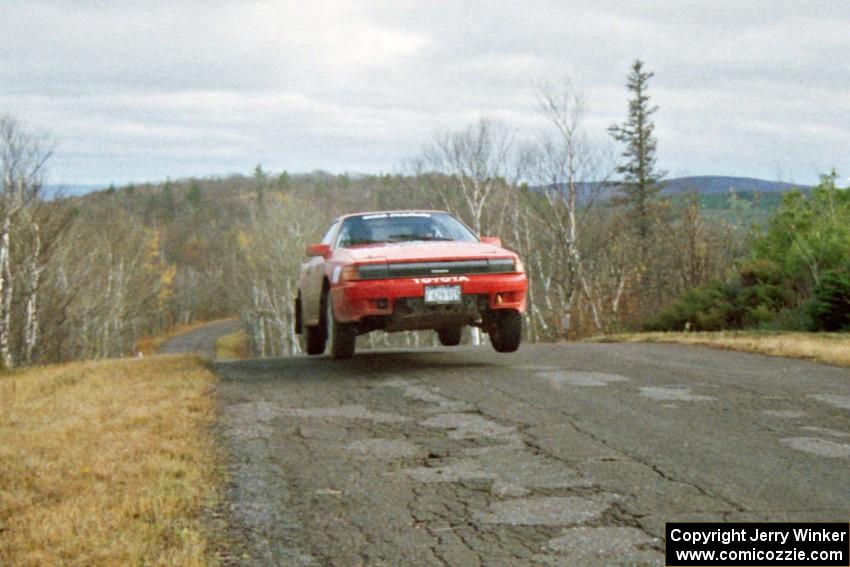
605,249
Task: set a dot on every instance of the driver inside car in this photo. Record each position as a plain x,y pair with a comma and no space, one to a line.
358,232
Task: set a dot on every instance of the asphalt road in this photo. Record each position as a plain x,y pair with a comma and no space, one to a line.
571,454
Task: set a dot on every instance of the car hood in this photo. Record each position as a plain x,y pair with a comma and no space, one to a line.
424,251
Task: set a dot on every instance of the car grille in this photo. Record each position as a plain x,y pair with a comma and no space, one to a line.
449,268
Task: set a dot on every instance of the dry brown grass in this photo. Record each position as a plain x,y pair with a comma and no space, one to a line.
107,463
234,345
829,348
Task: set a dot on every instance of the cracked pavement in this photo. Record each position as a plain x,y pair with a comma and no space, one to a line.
570,454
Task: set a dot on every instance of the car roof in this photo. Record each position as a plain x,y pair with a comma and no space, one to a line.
397,211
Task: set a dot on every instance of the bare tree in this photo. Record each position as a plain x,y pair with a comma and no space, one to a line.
41,227
611,270
476,161
270,251
22,158
568,171
101,286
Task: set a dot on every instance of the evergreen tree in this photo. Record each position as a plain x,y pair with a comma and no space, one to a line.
283,181
167,201
261,179
640,178
194,195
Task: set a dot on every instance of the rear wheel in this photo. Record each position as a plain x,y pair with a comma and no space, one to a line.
506,330
314,339
342,335
450,336
313,336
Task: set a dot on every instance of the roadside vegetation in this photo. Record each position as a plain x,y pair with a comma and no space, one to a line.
234,345
606,247
795,276
107,463
828,348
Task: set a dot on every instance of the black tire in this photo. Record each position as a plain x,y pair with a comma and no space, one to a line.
506,330
314,339
299,317
343,336
450,336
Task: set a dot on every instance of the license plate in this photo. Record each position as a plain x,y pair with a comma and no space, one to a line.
442,294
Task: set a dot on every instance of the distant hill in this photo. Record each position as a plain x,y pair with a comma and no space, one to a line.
713,184
52,191
704,184
709,187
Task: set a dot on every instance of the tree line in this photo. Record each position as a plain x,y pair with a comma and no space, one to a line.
796,275
88,276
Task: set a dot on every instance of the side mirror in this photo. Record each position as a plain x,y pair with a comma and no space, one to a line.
323,250
494,240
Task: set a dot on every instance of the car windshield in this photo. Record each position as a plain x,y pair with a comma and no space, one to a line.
402,227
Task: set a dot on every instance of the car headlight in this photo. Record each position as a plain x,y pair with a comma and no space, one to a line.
349,273
344,274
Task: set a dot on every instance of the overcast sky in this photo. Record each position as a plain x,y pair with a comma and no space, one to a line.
135,91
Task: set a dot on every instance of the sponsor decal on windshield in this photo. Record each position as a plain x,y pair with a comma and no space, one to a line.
396,215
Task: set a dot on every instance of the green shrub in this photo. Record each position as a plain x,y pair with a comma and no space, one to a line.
829,306
778,286
760,271
710,307
790,319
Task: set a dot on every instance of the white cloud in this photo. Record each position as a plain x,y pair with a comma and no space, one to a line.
144,90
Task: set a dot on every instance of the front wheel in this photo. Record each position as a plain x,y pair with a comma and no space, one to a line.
342,335
313,336
506,330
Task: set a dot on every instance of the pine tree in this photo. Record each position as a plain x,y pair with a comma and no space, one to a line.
194,195
283,181
261,179
640,178
167,202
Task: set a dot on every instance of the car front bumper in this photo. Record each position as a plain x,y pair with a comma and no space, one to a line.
357,299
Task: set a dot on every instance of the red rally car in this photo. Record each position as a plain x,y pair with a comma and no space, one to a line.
408,270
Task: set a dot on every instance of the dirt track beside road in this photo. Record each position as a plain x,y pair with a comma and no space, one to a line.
201,340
